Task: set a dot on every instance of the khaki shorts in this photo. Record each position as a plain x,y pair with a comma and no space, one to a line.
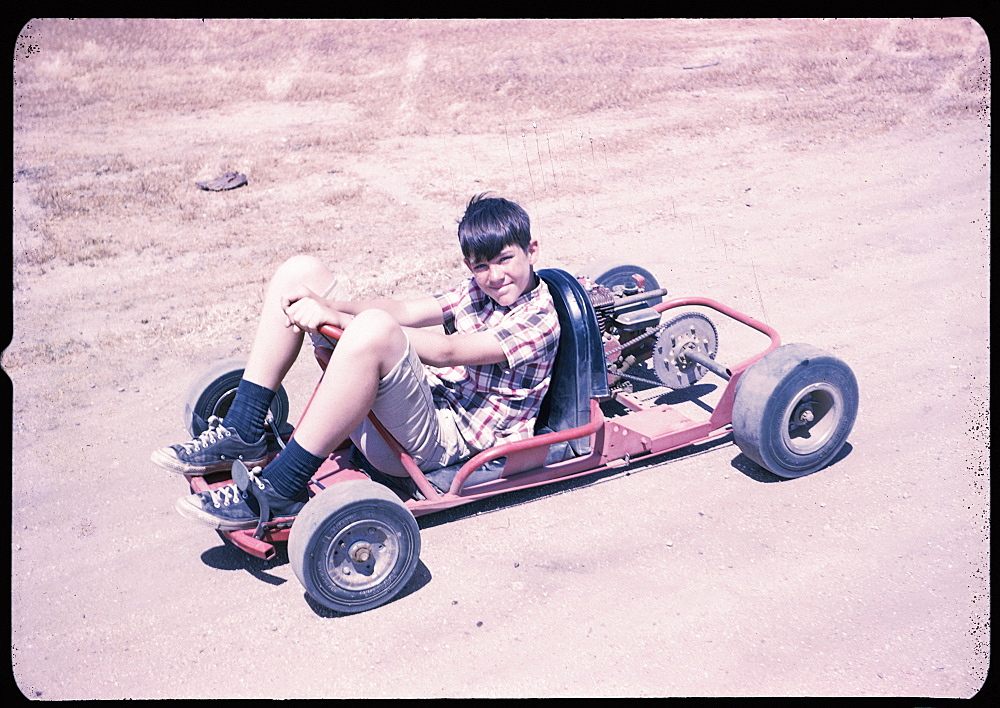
405,407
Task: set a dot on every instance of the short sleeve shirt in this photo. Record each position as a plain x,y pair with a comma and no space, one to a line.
497,403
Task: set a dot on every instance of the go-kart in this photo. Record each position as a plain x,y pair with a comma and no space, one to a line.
626,360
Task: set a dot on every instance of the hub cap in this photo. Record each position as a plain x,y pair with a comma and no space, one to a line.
362,555
812,418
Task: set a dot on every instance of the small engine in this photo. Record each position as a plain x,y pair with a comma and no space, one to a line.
623,308
682,350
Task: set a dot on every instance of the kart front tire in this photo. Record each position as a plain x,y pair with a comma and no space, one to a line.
213,391
354,546
612,272
794,409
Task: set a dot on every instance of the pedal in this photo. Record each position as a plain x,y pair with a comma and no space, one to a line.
241,476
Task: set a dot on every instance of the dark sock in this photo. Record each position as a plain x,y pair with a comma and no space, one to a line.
289,473
249,410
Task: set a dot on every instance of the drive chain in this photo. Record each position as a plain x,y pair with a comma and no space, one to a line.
613,352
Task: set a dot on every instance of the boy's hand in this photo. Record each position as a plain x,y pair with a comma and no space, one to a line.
307,312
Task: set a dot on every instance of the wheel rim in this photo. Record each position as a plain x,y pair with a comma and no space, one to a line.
362,555
222,405
812,418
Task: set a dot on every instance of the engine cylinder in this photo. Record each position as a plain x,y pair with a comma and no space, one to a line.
603,301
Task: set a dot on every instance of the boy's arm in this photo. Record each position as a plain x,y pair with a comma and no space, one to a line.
308,311
418,312
532,335
439,349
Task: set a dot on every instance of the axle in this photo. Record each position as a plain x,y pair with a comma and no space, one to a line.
689,352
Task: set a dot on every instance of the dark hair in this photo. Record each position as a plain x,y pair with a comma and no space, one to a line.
491,224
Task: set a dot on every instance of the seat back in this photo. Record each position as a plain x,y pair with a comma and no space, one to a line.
579,371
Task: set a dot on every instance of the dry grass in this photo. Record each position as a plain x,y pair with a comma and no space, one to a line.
114,120
85,90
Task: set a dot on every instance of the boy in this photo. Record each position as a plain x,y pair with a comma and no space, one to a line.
444,395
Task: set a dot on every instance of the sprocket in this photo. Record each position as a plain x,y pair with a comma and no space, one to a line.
684,333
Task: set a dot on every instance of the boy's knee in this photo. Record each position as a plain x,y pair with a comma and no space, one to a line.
303,270
374,333
372,325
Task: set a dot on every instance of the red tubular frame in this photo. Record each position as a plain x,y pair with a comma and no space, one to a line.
654,430
724,410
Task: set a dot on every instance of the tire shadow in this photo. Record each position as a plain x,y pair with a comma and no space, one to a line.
421,576
229,557
743,464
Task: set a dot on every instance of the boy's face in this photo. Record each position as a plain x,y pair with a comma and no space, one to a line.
507,276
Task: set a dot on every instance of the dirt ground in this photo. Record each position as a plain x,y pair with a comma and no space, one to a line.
810,191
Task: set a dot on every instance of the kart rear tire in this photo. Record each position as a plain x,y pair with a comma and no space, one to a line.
354,546
794,409
610,272
213,391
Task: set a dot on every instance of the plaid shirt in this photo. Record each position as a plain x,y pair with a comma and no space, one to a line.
498,403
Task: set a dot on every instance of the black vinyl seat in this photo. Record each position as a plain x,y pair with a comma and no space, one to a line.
579,372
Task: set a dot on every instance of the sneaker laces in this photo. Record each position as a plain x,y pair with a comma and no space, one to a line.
253,477
224,496
215,432
230,494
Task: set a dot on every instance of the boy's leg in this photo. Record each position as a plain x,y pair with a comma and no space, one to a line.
405,407
369,349
274,350
276,346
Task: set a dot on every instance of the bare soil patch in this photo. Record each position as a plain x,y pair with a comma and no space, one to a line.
829,177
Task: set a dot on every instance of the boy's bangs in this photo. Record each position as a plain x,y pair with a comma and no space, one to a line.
480,248
490,225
